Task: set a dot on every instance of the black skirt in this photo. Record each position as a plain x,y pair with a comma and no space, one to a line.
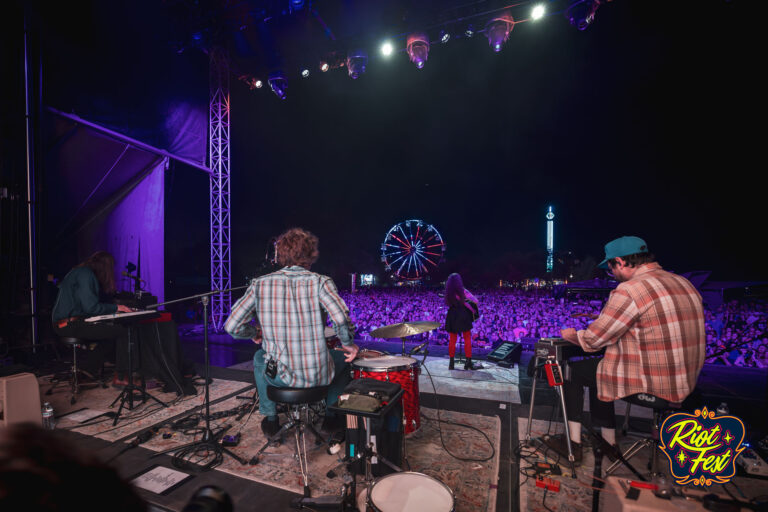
459,319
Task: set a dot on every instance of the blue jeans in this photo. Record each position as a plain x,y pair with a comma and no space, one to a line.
267,407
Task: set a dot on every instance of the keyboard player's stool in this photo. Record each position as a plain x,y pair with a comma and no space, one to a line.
74,373
660,408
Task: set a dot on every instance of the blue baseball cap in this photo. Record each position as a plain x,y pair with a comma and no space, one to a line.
621,247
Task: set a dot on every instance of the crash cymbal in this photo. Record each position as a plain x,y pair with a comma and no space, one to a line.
404,329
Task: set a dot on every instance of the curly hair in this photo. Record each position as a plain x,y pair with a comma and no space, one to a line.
102,264
297,247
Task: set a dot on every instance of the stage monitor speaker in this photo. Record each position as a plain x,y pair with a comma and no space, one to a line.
20,400
506,353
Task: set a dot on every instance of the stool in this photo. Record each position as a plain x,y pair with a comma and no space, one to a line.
74,373
298,401
660,408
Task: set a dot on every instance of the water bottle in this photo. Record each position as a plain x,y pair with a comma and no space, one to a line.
48,421
722,409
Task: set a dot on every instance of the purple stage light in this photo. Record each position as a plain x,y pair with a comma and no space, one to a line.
356,62
497,31
418,48
278,83
581,13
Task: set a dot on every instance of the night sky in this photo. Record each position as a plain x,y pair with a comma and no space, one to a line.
643,124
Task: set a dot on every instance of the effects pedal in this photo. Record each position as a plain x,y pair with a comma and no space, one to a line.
231,440
752,463
547,483
545,468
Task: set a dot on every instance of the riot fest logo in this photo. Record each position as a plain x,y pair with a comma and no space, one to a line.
702,448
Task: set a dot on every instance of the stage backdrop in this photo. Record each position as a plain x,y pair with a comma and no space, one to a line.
103,191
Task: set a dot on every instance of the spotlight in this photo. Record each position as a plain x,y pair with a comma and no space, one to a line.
356,62
324,67
278,84
418,48
387,49
497,31
581,13
296,5
444,36
470,31
258,83
538,12
305,73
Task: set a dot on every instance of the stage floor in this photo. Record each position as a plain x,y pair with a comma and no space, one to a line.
492,392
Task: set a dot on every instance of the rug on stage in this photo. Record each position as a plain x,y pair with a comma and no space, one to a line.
474,483
93,401
576,494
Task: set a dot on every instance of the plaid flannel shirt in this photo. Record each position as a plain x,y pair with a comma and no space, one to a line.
653,329
288,305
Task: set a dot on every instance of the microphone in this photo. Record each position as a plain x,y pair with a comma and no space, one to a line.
135,278
418,348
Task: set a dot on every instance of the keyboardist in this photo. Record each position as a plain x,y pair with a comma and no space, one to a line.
79,297
652,329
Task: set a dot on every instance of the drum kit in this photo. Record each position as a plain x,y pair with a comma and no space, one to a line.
405,491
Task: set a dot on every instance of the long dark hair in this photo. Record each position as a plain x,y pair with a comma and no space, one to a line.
102,264
454,290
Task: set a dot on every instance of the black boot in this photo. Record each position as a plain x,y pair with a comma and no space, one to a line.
450,364
468,364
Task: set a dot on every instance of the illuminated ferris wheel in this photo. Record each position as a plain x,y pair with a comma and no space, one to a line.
411,249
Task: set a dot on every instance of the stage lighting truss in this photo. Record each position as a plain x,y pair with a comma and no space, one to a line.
357,60
581,13
411,249
497,31
418,48
278,83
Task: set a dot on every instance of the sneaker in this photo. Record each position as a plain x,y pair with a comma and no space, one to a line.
270,427
559,445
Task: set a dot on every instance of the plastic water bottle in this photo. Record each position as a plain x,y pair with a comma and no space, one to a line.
722,409
48,421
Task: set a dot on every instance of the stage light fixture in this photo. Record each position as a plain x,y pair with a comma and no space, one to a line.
387,49
305,72
581,13
418,48
278,83
324,67
538,12
497,31
444,36
357,60
470,31
258,83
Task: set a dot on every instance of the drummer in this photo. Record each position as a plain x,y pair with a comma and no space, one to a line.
289,304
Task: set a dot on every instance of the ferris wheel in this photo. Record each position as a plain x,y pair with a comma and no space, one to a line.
411,249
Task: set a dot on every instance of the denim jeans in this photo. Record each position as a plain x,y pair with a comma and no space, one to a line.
267,407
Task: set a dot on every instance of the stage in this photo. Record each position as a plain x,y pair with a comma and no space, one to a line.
494,399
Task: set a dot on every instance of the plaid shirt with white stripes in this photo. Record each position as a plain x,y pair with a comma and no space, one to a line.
288,305
653,329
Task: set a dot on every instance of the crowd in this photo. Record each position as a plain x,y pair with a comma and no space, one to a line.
736,331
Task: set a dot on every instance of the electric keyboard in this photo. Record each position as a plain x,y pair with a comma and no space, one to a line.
560,350
133,316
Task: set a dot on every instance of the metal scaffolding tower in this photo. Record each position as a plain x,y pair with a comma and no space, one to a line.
218,153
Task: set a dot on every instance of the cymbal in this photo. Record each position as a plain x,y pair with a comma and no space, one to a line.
404,329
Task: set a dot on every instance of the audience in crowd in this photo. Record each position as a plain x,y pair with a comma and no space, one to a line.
736,331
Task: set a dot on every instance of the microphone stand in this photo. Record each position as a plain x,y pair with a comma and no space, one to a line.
209,442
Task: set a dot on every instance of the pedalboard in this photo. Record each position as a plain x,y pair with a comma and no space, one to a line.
752,463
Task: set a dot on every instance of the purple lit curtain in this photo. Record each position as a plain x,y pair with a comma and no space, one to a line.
135,220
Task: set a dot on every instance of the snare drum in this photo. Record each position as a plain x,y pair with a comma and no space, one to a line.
402,370
408,492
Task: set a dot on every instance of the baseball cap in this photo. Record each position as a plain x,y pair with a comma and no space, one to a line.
621,247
